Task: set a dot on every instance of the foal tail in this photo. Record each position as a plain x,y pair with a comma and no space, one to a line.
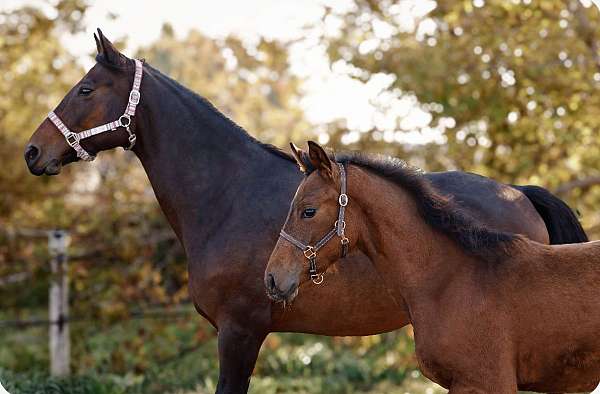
562,223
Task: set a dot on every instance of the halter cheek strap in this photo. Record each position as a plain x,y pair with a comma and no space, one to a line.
73,139
339,227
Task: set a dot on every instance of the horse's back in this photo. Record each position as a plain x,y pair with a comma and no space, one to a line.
494,204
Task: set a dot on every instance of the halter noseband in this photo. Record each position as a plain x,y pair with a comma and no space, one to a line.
73,139
310,252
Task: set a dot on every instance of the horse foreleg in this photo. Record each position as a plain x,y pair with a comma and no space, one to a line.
498,388
508,386
238,350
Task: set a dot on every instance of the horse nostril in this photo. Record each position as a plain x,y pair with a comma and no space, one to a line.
271,282
32,153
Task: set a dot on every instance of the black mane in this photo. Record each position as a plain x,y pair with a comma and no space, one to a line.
438,210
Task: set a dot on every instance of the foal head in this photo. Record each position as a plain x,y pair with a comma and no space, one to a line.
313,216
100,97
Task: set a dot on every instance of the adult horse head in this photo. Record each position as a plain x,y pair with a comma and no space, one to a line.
97,114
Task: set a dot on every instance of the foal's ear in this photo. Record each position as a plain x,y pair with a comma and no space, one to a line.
108,51
301,159
319,159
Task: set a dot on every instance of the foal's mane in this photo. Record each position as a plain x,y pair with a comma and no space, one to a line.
437,209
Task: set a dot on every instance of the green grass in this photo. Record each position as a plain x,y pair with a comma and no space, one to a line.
152,357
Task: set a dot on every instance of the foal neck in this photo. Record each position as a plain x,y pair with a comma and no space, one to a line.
414,258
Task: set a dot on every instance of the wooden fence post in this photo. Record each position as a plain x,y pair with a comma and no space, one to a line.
60,347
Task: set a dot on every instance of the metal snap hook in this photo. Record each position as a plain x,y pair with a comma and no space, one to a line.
317,279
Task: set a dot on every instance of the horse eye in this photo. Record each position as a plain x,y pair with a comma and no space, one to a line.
309,213
83,91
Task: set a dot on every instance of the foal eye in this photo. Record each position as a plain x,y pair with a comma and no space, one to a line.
309,213
83,91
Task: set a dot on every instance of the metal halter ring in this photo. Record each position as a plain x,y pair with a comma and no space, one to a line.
123,123
343,199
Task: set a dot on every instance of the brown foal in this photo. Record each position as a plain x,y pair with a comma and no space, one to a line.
492,312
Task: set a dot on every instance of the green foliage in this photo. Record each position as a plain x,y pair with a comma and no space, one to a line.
251,85
518,78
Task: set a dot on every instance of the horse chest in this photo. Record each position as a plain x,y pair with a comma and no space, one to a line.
224,282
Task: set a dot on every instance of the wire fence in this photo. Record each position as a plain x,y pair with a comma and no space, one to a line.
59,318
163,314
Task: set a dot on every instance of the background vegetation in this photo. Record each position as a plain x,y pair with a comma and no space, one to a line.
508,89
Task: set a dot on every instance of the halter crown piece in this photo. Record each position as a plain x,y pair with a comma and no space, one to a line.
310,252
73,139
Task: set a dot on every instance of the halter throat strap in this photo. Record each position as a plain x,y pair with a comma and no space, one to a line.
74,139
339,227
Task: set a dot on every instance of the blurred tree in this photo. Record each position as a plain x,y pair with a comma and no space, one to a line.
36,70
511,86
249,83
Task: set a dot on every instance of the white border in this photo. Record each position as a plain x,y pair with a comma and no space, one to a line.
3,390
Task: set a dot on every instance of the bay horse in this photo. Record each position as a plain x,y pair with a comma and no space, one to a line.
226,196
492,311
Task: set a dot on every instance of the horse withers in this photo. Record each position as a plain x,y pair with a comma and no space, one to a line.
492,311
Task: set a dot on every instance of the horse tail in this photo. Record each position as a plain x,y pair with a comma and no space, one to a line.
562,223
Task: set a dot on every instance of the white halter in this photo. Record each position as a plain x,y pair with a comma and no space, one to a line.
124,120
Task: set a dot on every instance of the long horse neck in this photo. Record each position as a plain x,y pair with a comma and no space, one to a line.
408,253
200,164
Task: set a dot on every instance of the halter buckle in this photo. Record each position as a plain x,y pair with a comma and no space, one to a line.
345,240
134,97
310,253
343,200
342,225
72,139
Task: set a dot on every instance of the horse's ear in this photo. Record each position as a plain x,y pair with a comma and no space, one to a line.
319,158
107,50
